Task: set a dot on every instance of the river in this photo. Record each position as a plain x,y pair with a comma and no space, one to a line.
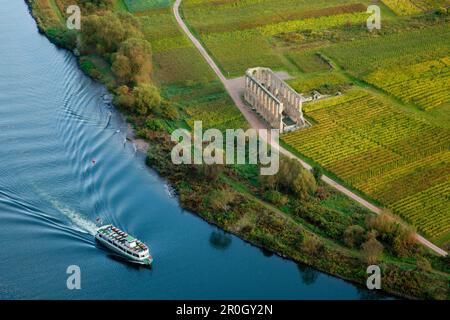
52,130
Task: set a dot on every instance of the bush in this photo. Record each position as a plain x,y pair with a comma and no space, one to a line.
423,264
210,172
63,37
154,124
398,236
169,111
371,249
317,173
354,236
295,179
276,198
220,199
312,245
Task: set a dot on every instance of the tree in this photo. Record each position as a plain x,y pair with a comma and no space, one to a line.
303,184
103,34
133,61
147,98
317,172
121,67
293,178
124,98
393,232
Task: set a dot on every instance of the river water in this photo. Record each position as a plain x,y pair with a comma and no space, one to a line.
52,129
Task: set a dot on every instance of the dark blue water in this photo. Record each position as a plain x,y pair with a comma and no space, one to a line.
52,125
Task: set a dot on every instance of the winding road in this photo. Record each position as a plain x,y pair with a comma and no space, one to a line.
257,123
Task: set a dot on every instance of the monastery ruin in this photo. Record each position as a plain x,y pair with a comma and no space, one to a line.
274,99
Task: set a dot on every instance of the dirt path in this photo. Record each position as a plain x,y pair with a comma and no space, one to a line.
234,90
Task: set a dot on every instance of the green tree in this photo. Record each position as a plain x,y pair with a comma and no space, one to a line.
103,34
133,61
317,172
147,98
295,179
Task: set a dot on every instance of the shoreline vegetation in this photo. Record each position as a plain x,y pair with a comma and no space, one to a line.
160,83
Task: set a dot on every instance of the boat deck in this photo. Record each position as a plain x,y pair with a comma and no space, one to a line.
117,235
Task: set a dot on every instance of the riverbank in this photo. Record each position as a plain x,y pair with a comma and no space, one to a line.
236,199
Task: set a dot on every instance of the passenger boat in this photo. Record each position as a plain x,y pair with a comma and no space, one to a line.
123,244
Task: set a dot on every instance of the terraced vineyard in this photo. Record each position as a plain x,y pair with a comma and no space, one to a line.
393,157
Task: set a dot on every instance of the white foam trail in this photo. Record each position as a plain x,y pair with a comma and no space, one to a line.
76,218
79,221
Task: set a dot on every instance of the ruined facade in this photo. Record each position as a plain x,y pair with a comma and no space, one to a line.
274,99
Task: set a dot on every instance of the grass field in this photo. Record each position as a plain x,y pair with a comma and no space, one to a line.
143,5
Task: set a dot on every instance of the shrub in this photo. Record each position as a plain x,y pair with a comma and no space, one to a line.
154,124
317,172
220,199
293,178
371,249
312,245
394,233
354,236
276,197
423,264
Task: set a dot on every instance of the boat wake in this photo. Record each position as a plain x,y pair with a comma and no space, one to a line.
79,221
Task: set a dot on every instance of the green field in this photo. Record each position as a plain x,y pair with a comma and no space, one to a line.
184,76
143,5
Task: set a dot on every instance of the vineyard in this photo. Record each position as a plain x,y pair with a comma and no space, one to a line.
402,7
393,157
425,84
241,34
413,67
361,57
429,209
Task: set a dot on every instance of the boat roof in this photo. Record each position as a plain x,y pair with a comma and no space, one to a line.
117,235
